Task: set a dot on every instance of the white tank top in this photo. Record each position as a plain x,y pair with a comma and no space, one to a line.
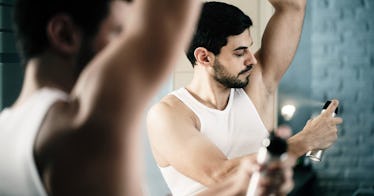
18,129
237,131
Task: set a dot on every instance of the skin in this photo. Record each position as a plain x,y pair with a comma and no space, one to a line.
86,145
174,129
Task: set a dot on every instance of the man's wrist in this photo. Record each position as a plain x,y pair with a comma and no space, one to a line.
297,146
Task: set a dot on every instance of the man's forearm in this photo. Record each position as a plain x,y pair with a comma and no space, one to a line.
226,169
297,146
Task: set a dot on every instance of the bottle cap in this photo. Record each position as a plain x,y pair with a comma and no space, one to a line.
276,145
327,105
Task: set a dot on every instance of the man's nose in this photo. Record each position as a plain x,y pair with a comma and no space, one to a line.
251,59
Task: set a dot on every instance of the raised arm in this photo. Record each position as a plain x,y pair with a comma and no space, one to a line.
278,47
99,156
280,40
128,71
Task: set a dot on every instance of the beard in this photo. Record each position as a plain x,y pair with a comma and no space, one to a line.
228,80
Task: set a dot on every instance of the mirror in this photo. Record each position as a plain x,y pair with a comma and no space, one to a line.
334,60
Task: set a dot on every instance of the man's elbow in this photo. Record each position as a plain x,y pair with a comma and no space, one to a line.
290,5
213,177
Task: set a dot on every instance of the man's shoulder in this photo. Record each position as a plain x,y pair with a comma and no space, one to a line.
172,107
169,104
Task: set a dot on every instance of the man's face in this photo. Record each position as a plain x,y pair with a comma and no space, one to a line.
109,29
233,65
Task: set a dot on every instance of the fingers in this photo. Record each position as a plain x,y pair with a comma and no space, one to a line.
321,132
289,183
291,160
337,121
331,108
276,182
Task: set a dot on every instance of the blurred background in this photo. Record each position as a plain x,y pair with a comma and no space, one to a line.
335,59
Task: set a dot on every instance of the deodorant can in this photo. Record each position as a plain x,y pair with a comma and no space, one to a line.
273,149
316,155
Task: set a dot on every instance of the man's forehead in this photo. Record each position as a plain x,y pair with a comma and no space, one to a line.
242,40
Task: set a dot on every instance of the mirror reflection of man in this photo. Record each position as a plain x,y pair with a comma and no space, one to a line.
89,73
200,133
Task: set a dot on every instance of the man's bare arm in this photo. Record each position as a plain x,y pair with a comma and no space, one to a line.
280,40
109,98
278,47
128,71
236,184
278,180
177,142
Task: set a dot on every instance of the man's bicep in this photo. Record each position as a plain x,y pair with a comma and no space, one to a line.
178,141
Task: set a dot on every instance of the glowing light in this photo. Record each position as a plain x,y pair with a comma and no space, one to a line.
288,111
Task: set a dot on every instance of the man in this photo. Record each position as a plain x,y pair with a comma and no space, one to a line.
73,129
200,133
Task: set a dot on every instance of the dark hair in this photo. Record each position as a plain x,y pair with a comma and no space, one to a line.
31,18
217,22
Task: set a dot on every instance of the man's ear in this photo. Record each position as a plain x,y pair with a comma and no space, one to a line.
63,35
203,56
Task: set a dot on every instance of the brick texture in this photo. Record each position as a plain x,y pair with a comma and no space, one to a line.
342,44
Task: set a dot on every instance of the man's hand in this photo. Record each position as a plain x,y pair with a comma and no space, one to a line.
276,178
321,132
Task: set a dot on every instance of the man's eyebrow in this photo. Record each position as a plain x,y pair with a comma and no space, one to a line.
241,48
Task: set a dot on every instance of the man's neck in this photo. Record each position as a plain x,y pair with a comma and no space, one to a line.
208,91
46,71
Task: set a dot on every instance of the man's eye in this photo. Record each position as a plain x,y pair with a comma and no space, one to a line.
239,54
